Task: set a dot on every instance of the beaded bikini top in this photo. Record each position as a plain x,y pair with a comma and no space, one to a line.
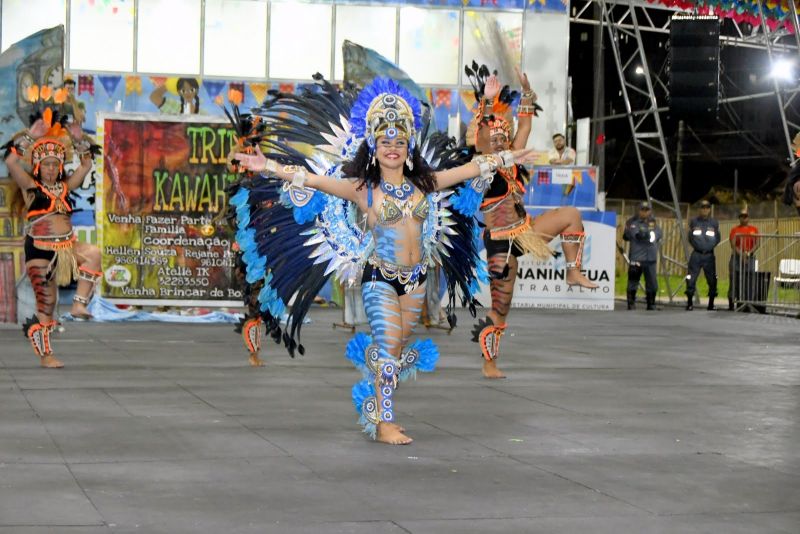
397,203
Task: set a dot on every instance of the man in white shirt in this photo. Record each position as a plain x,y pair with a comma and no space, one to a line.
561,154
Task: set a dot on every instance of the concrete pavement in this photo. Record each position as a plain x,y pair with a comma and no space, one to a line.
610,422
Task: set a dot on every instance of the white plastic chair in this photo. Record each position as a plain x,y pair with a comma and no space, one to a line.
788,272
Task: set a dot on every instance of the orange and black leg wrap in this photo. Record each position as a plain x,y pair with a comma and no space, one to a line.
39,335
251,334
488,335
501,286
43,291
575,238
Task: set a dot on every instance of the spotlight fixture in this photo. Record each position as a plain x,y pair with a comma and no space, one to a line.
782,69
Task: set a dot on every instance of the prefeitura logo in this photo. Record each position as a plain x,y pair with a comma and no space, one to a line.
117,276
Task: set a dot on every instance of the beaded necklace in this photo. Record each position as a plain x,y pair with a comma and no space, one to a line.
403,191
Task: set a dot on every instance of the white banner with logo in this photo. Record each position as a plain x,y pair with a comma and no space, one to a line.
542,284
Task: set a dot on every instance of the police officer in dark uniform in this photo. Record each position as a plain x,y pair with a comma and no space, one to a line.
703,237
644,236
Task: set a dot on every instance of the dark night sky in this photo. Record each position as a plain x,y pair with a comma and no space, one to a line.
746,136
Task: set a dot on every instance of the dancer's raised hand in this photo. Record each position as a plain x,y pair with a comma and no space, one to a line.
526,85
253,161
492,88
38,129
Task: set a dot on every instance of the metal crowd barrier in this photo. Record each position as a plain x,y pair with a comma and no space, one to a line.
765,274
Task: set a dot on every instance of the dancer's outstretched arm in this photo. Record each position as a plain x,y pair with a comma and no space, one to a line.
23,179
451,177
257,162
525,112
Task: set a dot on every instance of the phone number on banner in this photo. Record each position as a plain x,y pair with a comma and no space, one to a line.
183,281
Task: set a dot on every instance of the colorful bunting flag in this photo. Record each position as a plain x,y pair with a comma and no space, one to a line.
259,91
85,84
443,98
776,13
468,98
110,83
236,93
133,84
213,88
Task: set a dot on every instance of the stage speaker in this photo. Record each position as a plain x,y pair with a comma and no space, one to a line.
694,68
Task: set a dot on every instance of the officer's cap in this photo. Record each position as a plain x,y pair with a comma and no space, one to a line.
645,205
705,204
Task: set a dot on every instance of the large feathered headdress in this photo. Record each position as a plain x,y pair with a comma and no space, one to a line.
499,116
55,143
385,109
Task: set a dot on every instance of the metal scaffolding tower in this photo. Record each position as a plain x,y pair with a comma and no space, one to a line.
625,21
771,39
655,18
622,23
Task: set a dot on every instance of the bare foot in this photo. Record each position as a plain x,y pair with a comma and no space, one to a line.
576,278
390,434
51,362
395,426
255,361
490,370
80,311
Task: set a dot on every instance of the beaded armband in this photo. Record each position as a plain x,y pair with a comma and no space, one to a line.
487,165
508,158
526,106
18,145
26,137
299,194
525,110
299,175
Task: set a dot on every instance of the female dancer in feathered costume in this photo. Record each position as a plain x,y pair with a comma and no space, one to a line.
380,217
510,232
53,256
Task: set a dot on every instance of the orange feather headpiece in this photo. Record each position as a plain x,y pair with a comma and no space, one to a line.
498,116
55,143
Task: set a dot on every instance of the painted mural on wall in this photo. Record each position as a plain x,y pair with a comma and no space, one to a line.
28,68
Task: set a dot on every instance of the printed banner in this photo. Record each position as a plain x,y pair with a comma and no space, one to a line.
562,186
541,284
163,182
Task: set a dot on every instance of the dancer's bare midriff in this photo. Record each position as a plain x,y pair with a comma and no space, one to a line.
503,213
55,224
